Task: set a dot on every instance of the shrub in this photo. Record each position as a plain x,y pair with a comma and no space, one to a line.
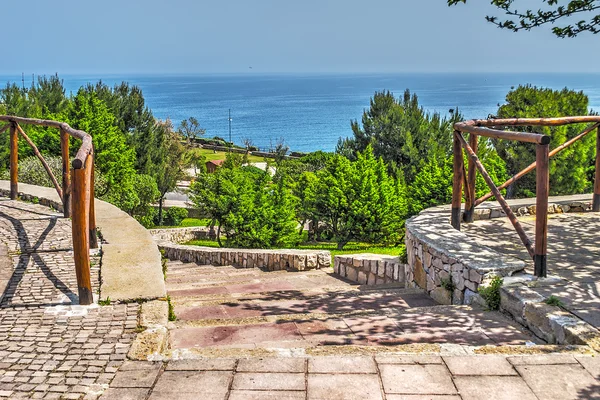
175,215
491,293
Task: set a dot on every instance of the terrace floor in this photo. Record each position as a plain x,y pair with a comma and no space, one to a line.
573,255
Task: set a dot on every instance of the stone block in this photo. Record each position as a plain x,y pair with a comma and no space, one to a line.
362,278
420,277
371,279
427,257
474,276
514,298
389,269
352,274
457,267
311,261
536,318
458,297
441,295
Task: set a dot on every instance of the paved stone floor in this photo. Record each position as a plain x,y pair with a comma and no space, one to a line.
50,347
252,334
573,254
391,377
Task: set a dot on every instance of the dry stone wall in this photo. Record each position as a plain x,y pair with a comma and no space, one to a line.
181,235
272,260
446,263
370,269
449,265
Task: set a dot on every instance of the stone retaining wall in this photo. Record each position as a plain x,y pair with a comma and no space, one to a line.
449,265
370,269
181,235
272,260
446,263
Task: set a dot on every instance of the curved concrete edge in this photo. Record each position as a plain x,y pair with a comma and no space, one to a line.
272,259
131,262
523,207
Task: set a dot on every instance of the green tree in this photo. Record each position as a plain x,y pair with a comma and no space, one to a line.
190,130
112,154
171,168
551,13
568,169
400,132
359,200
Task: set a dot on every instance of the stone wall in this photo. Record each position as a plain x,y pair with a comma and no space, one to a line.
370,269
181,235
272,260
449,265
446,263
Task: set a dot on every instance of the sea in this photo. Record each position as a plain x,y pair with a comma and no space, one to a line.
311,112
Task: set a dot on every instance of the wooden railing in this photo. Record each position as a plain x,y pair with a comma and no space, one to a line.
492,128
76,190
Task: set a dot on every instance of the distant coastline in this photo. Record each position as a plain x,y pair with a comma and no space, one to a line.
311,111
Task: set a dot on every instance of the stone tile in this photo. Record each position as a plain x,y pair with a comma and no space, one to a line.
591,364
204,382
479,365
543,359
342,365
233,335
416,379
408,359
493,387
266,395
200,395
140,365
421,397
208,364
343,387
568,381
125,394
268,381
143,378
272,364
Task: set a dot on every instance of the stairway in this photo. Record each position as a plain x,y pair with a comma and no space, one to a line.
231,308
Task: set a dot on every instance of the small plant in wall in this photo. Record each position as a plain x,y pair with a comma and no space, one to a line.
554,301
447,284
104,302
491,293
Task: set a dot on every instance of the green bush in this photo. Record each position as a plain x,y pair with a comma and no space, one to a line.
175,215
491,293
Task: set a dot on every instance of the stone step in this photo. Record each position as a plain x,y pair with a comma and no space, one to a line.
314,304
428,325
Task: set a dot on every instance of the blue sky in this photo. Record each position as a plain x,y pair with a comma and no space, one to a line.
307,36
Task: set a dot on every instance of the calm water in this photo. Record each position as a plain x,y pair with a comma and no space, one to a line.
311,112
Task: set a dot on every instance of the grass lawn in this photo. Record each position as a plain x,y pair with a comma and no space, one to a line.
350,248
188,223
221,155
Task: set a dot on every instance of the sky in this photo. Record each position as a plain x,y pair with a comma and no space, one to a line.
277,36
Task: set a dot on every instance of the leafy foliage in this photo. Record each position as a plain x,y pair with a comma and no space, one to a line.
491,293
529,19
175,215
249,208
569,168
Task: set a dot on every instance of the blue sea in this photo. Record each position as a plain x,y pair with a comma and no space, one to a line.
310,112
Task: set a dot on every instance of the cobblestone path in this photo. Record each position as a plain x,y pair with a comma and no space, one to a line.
50,347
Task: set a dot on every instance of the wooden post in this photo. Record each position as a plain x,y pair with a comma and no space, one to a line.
470,201
596,204
541,209
457,181
89,165
79,223
14,162
66,173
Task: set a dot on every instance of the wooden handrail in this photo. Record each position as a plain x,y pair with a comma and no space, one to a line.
532,166
491,128
76,190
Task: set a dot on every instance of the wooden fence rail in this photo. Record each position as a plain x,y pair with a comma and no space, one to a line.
76,191
493,128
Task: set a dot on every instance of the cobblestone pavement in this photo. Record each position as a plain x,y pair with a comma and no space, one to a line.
391,377
50,347
573,255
